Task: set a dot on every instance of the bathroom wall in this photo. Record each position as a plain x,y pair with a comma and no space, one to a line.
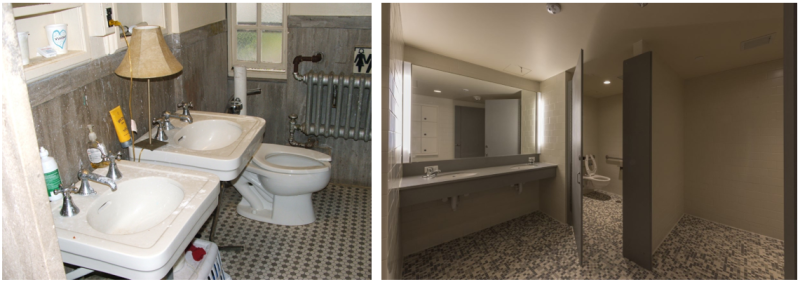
553,192
590,127
667,151
609,140
391,139
432,223
64,103
734,148
30,246
427,59
336,37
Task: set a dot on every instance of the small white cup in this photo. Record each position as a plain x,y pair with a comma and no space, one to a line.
57,37
23,46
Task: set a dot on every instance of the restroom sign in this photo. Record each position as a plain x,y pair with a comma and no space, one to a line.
362,62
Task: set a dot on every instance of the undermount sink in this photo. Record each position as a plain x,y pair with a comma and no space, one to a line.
208,135
525,166
456,175
222,144
137,205
140,230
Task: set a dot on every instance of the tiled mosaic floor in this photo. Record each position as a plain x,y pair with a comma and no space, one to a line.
536,246
337,246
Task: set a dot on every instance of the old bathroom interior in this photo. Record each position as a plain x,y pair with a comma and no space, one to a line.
244,77
683,103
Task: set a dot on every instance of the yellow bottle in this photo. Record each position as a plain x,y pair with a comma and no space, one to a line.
122,128
96,150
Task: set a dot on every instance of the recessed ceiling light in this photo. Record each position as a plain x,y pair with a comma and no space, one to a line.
437,91
607,82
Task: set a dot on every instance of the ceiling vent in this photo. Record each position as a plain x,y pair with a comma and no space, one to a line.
755,42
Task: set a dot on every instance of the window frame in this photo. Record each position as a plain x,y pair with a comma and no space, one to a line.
257,69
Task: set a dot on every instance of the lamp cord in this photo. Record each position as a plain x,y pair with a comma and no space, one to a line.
130,89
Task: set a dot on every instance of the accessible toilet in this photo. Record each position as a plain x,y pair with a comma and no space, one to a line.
277,184
591,179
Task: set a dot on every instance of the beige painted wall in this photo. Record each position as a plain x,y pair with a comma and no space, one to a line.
528,122
330,9
432,223
553,191
440,62
590,125
391,141
609,140
667,151
734,148
30,246
187,16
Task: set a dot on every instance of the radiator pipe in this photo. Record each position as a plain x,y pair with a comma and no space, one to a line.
294,127
297,60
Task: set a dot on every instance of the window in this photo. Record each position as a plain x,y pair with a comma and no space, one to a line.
257,39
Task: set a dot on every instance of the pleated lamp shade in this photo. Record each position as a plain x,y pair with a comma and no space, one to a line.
149,55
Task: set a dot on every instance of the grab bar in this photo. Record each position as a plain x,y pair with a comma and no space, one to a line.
613,158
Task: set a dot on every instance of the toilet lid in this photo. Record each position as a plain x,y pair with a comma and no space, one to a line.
286,159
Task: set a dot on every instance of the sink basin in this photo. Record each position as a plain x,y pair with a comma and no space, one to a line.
222,144
140,230
137,205
454,175
525,166
208,135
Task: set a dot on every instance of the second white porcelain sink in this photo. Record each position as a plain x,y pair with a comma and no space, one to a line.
222,144
137,205
208,135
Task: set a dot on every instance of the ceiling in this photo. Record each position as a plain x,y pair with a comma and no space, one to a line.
425,81
505,37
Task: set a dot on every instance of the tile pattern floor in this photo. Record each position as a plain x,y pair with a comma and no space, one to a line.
337,246
536,246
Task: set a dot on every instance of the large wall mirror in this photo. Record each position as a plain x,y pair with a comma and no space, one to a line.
454,116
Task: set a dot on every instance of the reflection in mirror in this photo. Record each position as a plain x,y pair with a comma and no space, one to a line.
454,116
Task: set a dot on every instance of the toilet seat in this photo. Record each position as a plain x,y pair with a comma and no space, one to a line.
290,160
590,170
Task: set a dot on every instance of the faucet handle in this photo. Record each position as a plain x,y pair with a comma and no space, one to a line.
67,191
113,169
185,105
68,208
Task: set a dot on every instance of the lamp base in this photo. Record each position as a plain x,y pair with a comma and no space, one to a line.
144,144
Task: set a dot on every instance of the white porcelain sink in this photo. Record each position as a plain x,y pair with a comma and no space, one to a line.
222,144
137,205
525,166
140,230
208,135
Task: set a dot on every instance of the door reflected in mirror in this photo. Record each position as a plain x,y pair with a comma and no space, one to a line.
454,116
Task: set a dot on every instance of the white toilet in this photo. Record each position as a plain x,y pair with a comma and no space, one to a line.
591,180
277,184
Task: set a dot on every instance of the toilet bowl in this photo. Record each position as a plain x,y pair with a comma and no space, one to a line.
592,180
277,184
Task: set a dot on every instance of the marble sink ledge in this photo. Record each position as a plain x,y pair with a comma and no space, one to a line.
144,255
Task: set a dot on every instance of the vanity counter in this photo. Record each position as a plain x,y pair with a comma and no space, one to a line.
416,189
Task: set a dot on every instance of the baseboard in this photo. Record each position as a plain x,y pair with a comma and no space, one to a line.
670,232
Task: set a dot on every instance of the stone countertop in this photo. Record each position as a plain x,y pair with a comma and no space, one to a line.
417,181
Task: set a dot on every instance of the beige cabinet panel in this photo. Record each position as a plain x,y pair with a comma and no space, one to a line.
428,146
428,113
429,129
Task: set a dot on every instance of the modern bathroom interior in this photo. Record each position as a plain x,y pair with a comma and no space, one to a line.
235,155
659,155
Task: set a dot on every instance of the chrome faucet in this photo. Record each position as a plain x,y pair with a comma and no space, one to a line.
531,160
113,170
161,134
431,171
167,115
85,176
185,106
68,208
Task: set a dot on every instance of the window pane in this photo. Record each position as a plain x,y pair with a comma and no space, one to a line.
246,45
271,46
272,14
246,13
